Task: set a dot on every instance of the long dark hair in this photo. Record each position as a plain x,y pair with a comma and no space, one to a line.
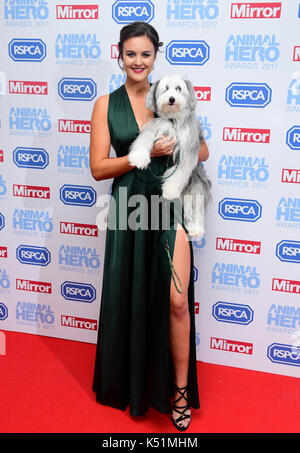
138,29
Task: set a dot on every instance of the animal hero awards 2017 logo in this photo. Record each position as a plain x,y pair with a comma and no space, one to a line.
79,259
288,213
4,281
235,278
243,171
33,13
293,96
73,159
30,121
252,52
188,14
35,315
77,49
283,319
33,222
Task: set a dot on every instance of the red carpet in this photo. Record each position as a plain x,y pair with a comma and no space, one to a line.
46,387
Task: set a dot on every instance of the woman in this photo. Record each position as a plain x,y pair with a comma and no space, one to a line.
146,341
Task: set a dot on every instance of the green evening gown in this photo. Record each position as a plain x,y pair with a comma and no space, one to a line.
133,358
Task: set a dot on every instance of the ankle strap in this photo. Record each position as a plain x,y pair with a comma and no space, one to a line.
180,388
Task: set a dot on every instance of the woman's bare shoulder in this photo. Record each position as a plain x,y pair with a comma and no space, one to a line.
100,107
101,102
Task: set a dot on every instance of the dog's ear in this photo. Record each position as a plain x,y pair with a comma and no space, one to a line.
151,98
192,100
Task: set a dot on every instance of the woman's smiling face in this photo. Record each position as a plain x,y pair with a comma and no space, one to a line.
138,57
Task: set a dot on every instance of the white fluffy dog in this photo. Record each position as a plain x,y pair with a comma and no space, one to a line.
173,100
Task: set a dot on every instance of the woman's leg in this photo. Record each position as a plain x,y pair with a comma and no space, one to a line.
180,317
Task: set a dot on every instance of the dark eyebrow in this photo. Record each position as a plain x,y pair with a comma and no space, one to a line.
142,51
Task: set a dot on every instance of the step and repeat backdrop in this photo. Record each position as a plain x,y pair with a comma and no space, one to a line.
243,59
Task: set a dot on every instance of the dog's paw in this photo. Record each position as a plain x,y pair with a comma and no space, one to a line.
195,230
169,191
139,160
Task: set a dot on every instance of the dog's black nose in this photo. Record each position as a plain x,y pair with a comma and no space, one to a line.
171,100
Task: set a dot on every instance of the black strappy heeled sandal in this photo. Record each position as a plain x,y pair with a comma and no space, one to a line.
177,408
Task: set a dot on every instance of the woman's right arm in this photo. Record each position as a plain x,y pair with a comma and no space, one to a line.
101,165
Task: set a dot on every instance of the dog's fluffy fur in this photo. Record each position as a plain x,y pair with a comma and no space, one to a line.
173,100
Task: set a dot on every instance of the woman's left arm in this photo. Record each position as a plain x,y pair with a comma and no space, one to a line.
203,151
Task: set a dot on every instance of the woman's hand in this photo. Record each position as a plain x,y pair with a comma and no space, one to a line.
163,146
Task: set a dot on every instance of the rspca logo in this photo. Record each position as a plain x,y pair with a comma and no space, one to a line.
3,312
256,95
187,52
124,12
288,251
243,210
30,254
283,318
2,221
31,157
195,274
73,89
27,50
293,138
77,195
191,14
232,313
284,354
78,292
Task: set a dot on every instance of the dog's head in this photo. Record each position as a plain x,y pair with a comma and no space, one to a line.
172,97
